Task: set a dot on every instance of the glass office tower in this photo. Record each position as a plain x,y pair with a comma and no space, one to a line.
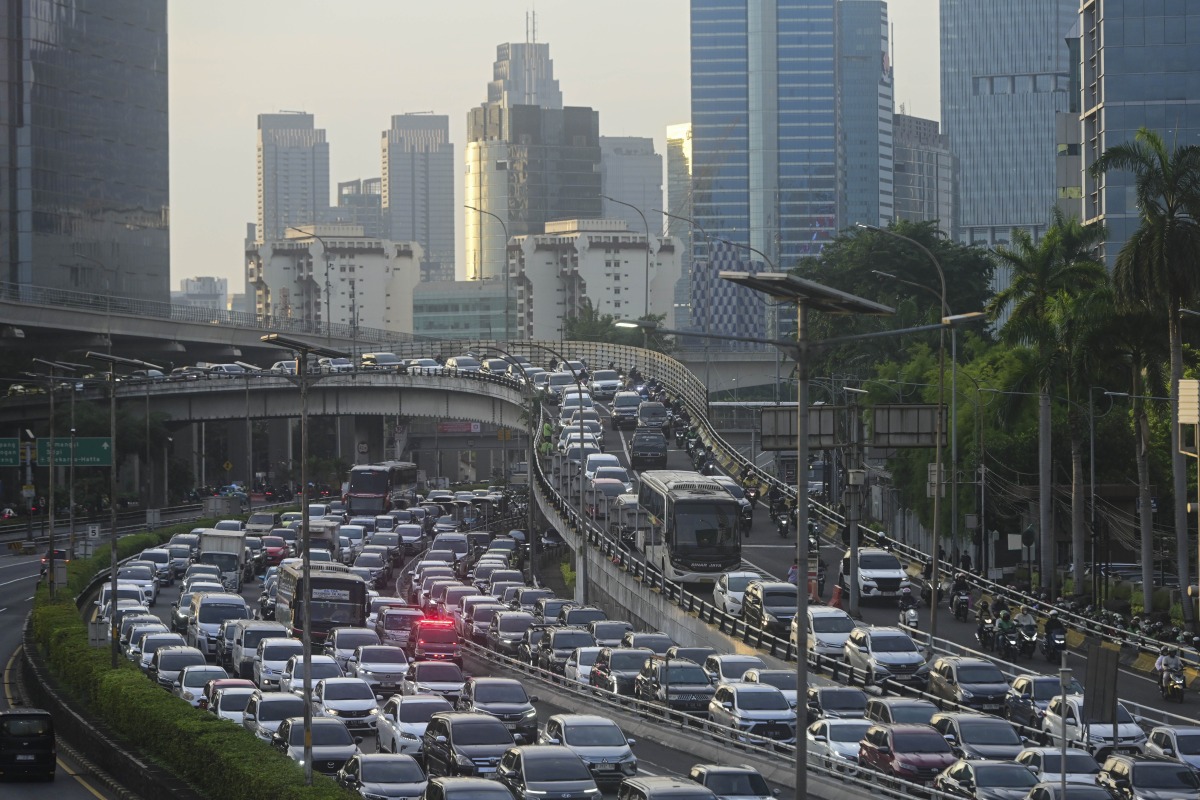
84,166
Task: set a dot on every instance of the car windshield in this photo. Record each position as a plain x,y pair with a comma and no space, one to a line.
280,652
491,732
501,693
235,701
136,573
1164,776
391,770
348,640
915,712
993,732
438,635
917,742
349,690
569,640
171,662
780,598
482,615
704,524
593,736
1080,763
1188,745
613,473
686,673
878,561
219,612
382,655
844,700
738,583
736,667
628,661
780,679
982,673
369,560
848,731
180,552
587,657
833,623
198,677
280,706
444,673
552,767
1008,776
746,783
893,644
762,701
606,629
514,624
273,541
1123,717
421,711
323,735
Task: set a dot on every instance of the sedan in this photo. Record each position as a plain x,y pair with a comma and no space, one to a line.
349,699
228,704
381,666
443,678
986,780
833,743
375,775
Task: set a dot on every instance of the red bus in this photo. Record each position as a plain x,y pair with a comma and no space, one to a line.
378,488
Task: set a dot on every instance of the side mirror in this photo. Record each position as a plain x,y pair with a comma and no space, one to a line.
949,737
1167,751
358,740
390,717
249,718
820,738
884,750
533,698
631,742
440,739
727,705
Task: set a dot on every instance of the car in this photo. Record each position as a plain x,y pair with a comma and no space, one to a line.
381,666
986,780
230,703
729,589
835,702
374,775
159,556
384,362
914,753
617,473
826,633
730,668
624,408
782,679
900,709
880,573
604,384
1061,720
506,700
616,669
558,643
291,679
433,640
1075,791
332,744
152,643
506,630
464,744
579,664
648,449
247,633
655,641
979,736
1029,696
442,678
596,461
728,782
402,722
1180,743
527,598
878,654
144,576
463,788
833,743
352,700
554,773
342,642
546,608
527,649
1047,764
192,680
759,710
678,685
969,682
271,658
423,366
1136,776
598,741
27,743
168,662
769,605
266,710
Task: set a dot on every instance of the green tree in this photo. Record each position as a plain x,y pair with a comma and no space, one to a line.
590,325
1160,265
1043,276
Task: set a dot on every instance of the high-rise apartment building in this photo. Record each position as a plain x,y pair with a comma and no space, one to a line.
679,206
864,107
1140,67
923,167
418,188
360,202
1005,75
84,189
764,139
293,174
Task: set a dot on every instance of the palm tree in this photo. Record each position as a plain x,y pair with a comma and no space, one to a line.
1042,274
1159,266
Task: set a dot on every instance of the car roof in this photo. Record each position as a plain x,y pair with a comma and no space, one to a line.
902,701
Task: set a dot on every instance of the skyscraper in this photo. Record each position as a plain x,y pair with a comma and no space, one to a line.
1141,67
764,141
631,171
923,168
293,174
523,75
418,188
1004,77
359,202
679,205
864,80
84,190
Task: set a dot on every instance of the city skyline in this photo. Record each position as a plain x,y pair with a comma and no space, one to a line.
639,88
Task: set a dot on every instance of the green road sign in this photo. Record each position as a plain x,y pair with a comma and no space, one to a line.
90,451
10,453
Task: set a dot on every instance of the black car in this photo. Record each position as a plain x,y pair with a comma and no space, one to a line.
1137,776
835,702
506,700
558,643
976,736
971,682
545,773
507,630
679,685
1026,700
457,743
616,668
648,449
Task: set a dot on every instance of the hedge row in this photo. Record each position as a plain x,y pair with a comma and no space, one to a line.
219,759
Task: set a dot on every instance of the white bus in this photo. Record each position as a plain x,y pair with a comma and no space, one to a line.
694,535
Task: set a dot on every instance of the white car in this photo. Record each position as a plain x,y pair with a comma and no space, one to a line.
597,460
599,741
730,588
578,666
616,473
230,704
352,700
144,576
272,656
380,665
730,668
292,677
402,722
192,680
266,710
1180,743
1060,718
833,743
342,643
782,679
827,631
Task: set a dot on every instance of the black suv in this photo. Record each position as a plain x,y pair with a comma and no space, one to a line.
506,631
770,606
1137,776
975,736
616,668
902,710
433,640
545,772
835,702
730,780
971,682
506,700
648,449
456,743
680,685
558,643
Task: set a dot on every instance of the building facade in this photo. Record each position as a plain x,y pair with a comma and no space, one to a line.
204,292
864,104
631,171
359,202
596,262
523,75
418,188
1140,67
679,206
293,174
84,168
334,274
460,310
923,169
1005,76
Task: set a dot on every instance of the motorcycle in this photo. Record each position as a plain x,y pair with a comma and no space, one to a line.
1173,686
782,525
1028,640
1009,645
961,605
1053,644
680,435
909,617
751,491
986,635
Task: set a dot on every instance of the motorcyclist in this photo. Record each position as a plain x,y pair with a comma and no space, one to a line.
982,614
1024,618
1005,624
1168,662
774,497
960,585
906,598
1054,624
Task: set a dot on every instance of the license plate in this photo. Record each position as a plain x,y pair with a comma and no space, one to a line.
26,757
606,767
512,726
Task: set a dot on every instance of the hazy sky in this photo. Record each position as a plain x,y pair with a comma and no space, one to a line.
354,63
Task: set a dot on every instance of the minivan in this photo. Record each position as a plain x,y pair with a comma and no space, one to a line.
652,415
27,745
625,410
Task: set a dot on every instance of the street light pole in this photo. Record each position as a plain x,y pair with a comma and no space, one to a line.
507,303
646,311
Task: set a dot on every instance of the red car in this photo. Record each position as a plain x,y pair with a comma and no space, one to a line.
913,753
275,550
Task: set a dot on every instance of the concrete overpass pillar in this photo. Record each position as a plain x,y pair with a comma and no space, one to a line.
367,441
237,451
347,440
279,450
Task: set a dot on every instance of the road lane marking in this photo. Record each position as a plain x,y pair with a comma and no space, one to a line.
18,580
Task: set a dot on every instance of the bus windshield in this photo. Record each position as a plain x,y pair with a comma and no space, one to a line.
703,525
368,482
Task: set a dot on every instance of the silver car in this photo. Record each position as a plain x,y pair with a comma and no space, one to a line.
759,710
833,743
598,741
402,722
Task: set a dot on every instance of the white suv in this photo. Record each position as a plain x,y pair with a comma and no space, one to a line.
880,573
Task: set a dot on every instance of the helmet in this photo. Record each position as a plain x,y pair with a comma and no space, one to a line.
1166,651
906,590
1175,651
1054,613
1004,614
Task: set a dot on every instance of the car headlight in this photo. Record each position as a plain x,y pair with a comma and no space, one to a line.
370,796
189,696
365,671
880,667
964,694
530,714
373,712
333,712
923,669
463,761
406,735
423,688
770,617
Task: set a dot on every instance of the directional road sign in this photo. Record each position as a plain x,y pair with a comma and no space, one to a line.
10,453
90,451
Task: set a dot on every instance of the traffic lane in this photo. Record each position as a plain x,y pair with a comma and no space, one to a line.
18,579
